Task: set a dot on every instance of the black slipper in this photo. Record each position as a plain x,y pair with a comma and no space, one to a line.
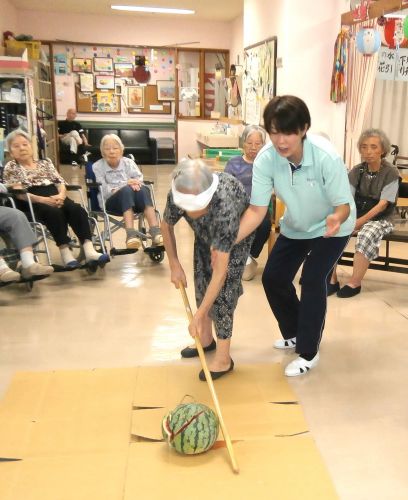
215,375
192,352
347,291
332,288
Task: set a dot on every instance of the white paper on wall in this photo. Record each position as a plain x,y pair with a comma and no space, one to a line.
386,64
401,68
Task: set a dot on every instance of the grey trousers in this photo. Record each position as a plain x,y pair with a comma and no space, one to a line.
15,224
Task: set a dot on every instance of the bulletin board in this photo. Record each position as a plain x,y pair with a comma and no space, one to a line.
97,102
151,105
259,79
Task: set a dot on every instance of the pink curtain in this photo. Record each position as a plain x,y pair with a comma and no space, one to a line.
360,86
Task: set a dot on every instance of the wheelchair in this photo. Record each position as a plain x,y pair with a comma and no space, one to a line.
112,222
10,254
42,234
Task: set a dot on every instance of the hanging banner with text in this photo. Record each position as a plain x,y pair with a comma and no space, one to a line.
386,64
401,67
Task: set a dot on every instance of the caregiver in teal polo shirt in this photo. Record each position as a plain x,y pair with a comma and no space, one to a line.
309,176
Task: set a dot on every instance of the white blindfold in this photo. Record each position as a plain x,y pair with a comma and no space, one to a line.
194,202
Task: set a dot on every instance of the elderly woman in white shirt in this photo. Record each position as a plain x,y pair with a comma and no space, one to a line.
123,190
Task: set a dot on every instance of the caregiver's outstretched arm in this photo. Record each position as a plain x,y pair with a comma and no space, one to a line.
251,219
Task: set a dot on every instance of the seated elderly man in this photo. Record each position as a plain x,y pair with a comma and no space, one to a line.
15,224
71,132
374,183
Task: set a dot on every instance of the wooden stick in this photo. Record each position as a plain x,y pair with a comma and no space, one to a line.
210,383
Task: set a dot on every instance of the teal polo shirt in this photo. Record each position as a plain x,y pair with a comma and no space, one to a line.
309,193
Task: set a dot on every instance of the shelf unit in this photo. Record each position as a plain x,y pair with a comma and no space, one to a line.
17,105
45,109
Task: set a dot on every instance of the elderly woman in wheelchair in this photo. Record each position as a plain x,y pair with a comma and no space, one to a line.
47,196
123,191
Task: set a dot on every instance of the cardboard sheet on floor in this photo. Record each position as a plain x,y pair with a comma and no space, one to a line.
248,384
281,468
73,430
243,421
86,476
67,412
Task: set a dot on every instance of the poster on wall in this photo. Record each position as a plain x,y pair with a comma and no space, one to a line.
103,64
105,82
124,70
135,97
259,79
106,102
166,90
386,64
86,82
401,68
82,65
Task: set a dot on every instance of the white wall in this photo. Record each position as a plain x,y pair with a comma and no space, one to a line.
8,17
122,30
306,34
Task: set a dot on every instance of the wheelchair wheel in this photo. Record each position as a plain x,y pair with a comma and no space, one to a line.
157,256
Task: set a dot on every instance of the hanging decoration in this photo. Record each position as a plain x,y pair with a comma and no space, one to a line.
394,34
141,72
338,89
359,9
368,41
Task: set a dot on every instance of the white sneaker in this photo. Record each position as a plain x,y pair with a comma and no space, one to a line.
285,343
250,270
300,366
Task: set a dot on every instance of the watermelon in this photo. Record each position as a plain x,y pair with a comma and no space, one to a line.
191,428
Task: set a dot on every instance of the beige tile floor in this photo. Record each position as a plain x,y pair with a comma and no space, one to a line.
355,401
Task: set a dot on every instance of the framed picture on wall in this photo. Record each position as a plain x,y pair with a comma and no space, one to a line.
79,64
135,97
105,82
124,70
166,90
86,82
103,64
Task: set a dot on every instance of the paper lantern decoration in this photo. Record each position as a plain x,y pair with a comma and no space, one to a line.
368,41
394,33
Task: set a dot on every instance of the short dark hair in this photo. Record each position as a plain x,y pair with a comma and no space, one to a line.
286,114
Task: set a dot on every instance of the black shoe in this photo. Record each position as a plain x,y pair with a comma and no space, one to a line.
332,288
192,352
215,375
347,292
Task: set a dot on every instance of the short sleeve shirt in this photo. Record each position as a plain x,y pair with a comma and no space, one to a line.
66,126
115,178
242,170
43,175
309,193
218,228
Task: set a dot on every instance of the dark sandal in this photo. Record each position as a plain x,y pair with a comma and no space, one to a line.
192,352
215,375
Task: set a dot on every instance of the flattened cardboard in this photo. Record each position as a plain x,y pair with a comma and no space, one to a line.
243,421
281,468
65,477
247,384
67,412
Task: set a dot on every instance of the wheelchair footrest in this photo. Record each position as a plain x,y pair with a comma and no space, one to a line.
122,251
152,249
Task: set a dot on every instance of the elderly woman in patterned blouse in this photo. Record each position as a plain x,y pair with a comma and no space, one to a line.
212,204
47,192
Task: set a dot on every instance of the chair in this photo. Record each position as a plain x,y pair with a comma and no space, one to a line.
110,220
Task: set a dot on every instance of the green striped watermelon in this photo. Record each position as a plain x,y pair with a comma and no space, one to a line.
191,428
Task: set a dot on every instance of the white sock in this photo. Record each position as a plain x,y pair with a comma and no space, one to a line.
27,258
66,255
3,265
90,252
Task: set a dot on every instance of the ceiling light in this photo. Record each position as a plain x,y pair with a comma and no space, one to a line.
154,10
